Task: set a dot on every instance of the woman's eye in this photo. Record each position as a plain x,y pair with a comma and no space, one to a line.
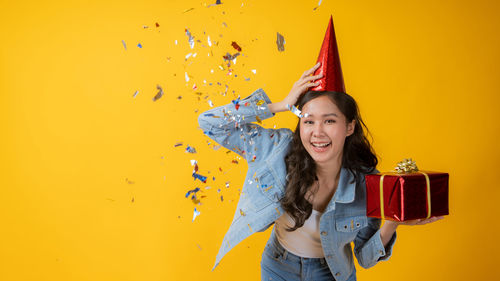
308,122
329,121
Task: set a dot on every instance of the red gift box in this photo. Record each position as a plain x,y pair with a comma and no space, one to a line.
406,196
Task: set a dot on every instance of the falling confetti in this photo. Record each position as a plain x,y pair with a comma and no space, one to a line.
190,149
280,41
135,94
192,191
236,103
190,38
199,177
319,3
157,24
178,144
139,45
124,45
296,111
195,164
254,71
188,10
186,76
210,103
209,42
195,214
159,94
229,57
236,46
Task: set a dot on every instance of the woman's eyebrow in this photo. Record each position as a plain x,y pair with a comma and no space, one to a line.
324,115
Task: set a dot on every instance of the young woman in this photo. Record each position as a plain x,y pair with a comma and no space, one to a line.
310,183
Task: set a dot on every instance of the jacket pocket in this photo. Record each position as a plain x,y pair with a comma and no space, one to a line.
351,224
265,191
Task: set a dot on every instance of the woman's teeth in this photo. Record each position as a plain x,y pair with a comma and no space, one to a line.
321,144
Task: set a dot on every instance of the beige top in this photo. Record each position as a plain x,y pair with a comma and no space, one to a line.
304,241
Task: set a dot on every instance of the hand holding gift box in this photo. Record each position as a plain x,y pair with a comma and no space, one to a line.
406,193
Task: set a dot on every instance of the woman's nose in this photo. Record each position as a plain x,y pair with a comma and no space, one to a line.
318,129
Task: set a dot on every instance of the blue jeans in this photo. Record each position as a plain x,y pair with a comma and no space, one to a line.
278,264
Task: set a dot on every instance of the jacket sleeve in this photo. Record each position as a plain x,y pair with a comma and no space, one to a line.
231,126
368,246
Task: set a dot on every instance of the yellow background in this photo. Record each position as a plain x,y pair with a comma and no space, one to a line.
92,187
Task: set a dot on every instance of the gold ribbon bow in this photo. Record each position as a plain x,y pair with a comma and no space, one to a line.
407,166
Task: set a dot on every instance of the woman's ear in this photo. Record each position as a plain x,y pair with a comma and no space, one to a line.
350,127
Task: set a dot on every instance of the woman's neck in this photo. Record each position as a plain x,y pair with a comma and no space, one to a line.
329,173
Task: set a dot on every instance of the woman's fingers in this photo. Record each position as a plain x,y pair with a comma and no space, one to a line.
423,221
311,71
309,85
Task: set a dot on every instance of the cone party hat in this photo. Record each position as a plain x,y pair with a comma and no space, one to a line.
330,64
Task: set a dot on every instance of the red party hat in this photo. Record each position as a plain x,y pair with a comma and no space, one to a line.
330,64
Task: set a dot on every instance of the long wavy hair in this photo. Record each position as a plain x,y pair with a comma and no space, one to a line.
358,157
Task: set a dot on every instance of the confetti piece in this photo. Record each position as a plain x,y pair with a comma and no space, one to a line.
319,3
209,42
175,42
236,46
210,103
254,71
236,103
188,10
295,111
199,177
229,57
145,26
234,161
216,147
258,119
195,214
186,76
133,200
135,94
208,133
195,164
124,45
280,42
221,198
190,149
195,87
178,144
159,94
190,38
157,24
192,191
129,181
188,55
139,45
224,24
242,213
227,184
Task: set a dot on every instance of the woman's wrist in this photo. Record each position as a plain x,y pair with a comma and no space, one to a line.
276,107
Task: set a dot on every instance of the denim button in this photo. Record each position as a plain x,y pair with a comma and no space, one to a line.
337,274
323,233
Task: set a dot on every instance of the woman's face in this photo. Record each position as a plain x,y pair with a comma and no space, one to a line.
324,129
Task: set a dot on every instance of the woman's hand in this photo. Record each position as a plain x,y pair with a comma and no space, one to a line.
305,82
389,227
421,221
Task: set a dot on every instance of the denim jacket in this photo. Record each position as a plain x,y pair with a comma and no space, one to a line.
344,219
